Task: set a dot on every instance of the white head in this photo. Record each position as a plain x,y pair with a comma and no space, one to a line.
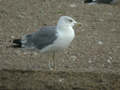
66,21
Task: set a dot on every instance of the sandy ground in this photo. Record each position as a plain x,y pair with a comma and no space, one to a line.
91,62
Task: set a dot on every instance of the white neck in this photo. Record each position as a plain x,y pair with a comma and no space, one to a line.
65,29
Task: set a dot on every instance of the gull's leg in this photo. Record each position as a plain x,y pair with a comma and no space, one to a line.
66,54
50,65
54,61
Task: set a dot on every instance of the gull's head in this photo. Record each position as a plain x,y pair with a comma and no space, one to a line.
66,21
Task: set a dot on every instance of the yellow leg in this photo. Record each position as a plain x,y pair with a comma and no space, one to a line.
52,62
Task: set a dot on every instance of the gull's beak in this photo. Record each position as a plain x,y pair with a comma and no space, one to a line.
79,24
75,22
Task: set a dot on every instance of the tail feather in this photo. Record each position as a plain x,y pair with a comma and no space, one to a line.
17,43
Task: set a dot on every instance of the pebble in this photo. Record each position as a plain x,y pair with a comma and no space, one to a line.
109,61
90,61
113,30
100,42
21,16
73,58
26,53
73,5
61,79
101,20
13,37
110,58
18,52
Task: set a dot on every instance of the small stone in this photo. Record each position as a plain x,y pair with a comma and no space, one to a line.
18,52
101,20
113,30
73,58
90,61
109,61
13,37
61,79
72,5
100,42
51,69
21,16
110,58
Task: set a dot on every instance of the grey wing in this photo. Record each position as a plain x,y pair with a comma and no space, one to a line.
40,39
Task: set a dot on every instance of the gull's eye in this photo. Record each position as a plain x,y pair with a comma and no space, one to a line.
70,20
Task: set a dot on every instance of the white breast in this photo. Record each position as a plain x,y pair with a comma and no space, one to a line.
64,38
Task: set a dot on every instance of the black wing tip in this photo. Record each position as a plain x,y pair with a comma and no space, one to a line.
100,1
88,1
17,43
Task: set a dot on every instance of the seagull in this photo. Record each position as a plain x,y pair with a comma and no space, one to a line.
49,38
100,1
